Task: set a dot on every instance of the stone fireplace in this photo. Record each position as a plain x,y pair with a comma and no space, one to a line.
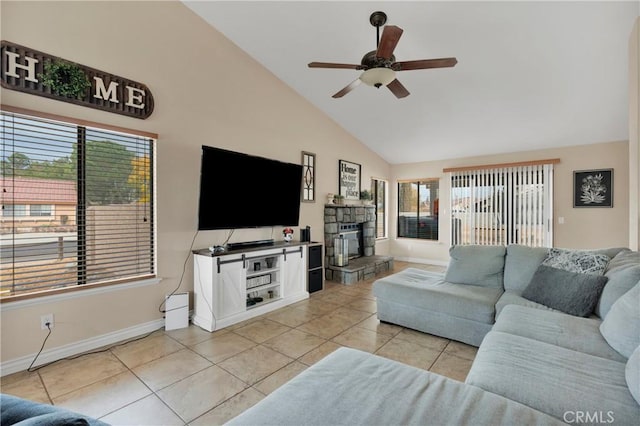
335,219
357,223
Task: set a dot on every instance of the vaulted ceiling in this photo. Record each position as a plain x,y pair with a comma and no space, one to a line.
530,75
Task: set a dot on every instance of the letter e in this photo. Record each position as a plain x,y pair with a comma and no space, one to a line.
135,97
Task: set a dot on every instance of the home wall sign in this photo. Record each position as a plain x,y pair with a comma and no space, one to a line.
30,71
349,180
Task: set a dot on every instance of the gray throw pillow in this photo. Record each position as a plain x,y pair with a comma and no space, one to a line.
581,261
476,265
570,292
621,326
632,374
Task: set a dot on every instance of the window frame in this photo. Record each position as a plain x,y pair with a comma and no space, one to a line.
49,212
12,208
381,199
143,279
418,183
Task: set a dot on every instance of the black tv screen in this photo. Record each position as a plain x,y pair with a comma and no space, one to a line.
245,191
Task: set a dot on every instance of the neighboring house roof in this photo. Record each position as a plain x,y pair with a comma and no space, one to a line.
19,190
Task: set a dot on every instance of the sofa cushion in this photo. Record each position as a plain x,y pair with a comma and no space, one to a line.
632,374
623,272
54,419
351,387
552,379
511,298
415,287
520,264
21,412
476,265
570,292
557,328
621,326
580,261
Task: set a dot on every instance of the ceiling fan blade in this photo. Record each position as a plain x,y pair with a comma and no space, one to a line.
398,89
332,65
390,37
424,64
355,83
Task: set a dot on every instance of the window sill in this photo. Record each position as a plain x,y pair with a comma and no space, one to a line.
420,240
19,304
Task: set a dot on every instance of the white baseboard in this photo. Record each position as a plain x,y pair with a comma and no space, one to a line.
54,354
422,260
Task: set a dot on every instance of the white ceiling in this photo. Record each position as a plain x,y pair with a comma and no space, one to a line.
530,75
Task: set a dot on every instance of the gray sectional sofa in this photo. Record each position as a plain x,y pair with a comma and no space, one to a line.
480,281
536,363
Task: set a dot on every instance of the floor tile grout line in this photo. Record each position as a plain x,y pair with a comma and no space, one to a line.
44,386
146,396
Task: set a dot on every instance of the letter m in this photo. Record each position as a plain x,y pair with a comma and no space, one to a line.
109,94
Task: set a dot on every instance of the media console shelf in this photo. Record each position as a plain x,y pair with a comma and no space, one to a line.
238,285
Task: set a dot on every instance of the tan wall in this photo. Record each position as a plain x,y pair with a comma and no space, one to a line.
206,91
634,137
582,228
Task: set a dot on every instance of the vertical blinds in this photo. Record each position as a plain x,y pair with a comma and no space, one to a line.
77,206
510,205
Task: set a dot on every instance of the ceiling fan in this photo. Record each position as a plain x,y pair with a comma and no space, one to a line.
380,65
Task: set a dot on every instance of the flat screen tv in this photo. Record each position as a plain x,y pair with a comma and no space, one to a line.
245,191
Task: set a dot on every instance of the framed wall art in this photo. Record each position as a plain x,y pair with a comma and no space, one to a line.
308,177
349,179
593,188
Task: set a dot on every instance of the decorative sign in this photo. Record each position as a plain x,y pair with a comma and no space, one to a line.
349,180
27,70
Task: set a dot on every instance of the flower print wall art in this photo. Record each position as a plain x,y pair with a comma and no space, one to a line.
593,188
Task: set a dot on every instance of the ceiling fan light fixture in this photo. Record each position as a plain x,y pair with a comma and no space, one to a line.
378,76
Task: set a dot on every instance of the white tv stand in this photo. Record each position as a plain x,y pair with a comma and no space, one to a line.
238,285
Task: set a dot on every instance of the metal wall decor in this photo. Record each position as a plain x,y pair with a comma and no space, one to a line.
308,177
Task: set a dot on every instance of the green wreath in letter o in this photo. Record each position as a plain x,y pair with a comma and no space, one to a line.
65,79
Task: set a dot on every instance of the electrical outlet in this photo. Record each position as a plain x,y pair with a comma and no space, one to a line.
44,319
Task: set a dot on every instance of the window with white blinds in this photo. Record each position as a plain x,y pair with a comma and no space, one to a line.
77,206
509,205
379,189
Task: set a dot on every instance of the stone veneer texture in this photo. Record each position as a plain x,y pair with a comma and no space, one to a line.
335,214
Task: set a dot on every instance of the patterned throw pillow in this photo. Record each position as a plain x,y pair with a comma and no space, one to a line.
580,261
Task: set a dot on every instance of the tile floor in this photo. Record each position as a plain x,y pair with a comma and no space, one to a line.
193,377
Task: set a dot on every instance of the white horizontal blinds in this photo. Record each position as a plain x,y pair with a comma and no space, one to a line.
37,252
118,185
74,210
509,205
